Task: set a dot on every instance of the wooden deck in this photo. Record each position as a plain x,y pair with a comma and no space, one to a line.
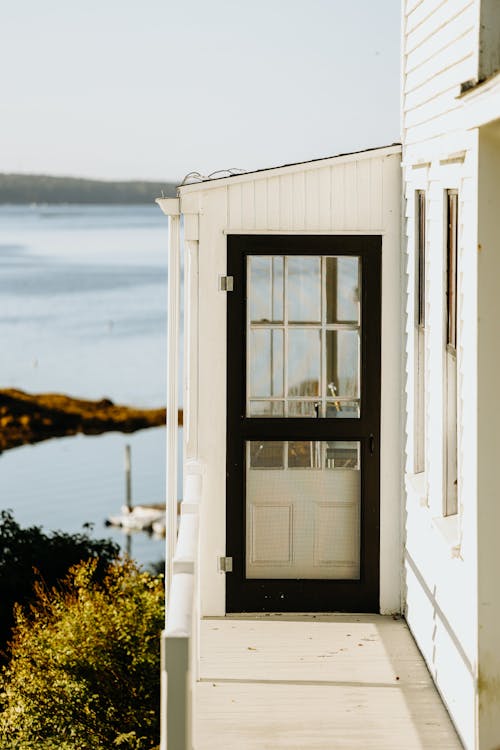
317,683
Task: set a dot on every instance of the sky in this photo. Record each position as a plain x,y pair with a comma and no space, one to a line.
154,89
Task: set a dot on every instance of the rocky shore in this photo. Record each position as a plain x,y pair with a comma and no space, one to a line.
30,418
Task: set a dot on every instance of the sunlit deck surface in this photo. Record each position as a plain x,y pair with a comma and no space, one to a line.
316,682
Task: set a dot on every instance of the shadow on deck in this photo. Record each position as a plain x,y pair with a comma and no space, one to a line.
317,682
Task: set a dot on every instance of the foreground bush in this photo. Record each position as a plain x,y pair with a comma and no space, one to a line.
23,551
85,667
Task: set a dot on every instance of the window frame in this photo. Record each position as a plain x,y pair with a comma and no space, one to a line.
451,341
420,333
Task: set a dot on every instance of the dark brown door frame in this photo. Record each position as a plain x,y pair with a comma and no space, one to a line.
254,595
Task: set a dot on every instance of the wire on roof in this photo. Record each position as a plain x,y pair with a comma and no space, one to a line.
194,177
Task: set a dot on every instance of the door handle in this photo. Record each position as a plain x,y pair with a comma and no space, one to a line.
371,444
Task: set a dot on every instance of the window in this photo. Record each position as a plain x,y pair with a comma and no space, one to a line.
420,296
451,375
451,269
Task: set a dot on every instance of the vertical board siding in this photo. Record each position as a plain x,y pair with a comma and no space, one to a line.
273,203
376,188
299,201
325,209
363,169
234,205
286,202
260,203
248,204
339,197
350,196
338,193
312,199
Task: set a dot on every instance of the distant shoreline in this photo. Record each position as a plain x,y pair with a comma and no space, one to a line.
31,418
27,189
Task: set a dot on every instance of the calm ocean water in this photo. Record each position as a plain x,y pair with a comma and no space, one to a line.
83,312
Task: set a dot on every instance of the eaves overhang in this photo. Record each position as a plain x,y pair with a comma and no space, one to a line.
480,101
302,166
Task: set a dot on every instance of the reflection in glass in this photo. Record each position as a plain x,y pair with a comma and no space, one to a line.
266,288
304,360
266,454
342,289
342,455
304,408
342,409
342,364
266,409
304,454
304,289
304,336
266,362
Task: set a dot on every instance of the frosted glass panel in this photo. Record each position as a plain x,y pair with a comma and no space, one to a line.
304,289
303,509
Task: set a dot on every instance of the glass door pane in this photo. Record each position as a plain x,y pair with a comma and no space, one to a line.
303,336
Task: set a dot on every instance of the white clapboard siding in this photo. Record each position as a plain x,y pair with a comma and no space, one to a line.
448,21
440,40
422,12
440,53
458,50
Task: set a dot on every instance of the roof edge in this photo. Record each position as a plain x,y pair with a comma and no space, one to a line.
392,148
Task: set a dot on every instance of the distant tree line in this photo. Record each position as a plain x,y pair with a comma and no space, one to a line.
36,188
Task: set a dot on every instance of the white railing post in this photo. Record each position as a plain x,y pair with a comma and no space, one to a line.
180,649
171,208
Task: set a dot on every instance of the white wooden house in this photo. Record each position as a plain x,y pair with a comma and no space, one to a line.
451,166
341,350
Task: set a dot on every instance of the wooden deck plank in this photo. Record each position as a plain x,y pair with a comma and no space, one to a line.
318,682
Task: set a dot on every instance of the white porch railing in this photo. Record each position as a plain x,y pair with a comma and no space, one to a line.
180,637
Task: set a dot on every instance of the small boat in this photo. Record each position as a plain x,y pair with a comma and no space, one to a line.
140,518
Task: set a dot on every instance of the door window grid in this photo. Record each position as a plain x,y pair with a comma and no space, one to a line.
286,404
282,455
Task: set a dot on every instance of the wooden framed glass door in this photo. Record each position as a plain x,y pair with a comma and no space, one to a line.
303,423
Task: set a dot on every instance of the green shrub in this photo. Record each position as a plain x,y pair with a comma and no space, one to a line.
84,672
25,551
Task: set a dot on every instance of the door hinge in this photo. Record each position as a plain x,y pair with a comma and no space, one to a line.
226,283
225,564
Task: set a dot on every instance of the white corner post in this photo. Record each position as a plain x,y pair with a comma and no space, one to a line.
171,208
